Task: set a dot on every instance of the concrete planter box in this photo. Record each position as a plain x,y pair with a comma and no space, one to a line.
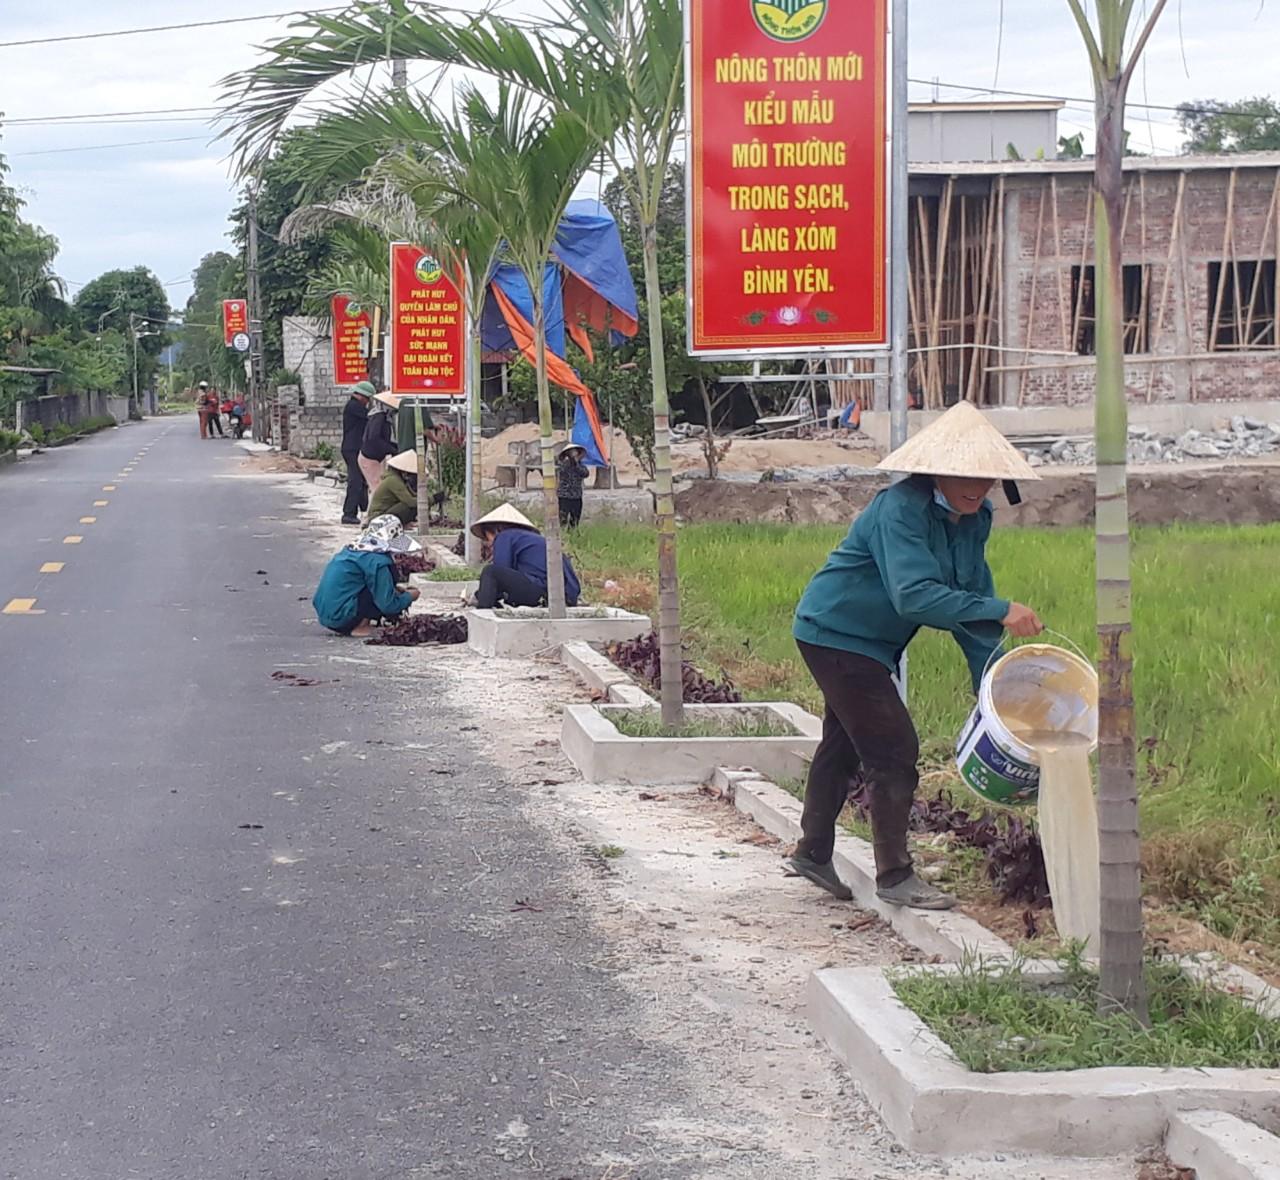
529,631
603,754
934,1104
443,592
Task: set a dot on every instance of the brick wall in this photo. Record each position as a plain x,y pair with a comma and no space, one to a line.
309,351
1038,299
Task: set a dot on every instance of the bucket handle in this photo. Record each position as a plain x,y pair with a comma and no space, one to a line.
999,651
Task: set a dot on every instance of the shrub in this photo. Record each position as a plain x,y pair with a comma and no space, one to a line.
9,441
36,430
322,451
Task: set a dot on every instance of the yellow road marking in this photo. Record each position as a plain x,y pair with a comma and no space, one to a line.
72,540
21,606
52,567
101,503
88,520
108,487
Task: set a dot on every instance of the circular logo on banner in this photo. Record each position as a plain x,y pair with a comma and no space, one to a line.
236,305
354,310
788,20
240,342
428,271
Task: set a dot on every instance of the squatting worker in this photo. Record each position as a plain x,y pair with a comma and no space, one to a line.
915,557
358,587
397,494
515,553
355,416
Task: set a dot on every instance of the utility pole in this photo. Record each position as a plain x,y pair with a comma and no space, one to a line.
133,334
400,73
257,392
899,228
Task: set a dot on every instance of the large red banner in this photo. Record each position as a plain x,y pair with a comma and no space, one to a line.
428,338
350,325
235,320
788,177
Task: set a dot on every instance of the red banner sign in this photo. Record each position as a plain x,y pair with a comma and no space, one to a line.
235,320
788,175
351,325
428,338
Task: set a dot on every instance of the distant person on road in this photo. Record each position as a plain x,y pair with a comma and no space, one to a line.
358,587
238,417
915,557
571,471
516,557
212,414
202,407
355,416
397,494
379,441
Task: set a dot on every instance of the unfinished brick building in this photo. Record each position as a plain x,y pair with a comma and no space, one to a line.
1002,292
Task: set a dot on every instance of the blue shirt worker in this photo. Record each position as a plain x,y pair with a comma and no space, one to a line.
358,587
515,573
915,557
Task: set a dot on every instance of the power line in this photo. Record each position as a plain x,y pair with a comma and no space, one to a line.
200,24
99,116
102,147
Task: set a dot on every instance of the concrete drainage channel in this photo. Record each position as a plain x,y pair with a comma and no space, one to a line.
1214,1120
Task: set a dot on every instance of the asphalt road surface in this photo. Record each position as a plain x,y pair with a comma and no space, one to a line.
230,944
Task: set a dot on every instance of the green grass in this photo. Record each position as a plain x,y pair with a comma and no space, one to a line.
452,573
647,723
1206,644
994,1017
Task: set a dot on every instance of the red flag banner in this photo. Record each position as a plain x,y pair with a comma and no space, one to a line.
428,338
351,323
788,176
235,320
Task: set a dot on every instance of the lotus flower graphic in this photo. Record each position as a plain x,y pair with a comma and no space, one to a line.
788,315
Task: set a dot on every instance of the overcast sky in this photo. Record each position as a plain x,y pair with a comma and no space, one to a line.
164,205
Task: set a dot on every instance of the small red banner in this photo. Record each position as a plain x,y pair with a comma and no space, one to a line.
428,344
788,184
351,323
235,320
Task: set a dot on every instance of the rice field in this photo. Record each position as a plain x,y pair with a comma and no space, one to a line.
1206,658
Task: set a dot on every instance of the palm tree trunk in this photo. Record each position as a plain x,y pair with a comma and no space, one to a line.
1122,987
474,441
670,653
550,504
424,492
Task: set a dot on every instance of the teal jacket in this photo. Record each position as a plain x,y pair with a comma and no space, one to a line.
349,572
905,565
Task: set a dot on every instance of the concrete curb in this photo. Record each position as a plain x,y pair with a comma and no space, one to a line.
948,934
1219,1146
932,1103
602,754
500,634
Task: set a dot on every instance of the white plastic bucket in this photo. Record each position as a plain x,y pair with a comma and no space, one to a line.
1042,686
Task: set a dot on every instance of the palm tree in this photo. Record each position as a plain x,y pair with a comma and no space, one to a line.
614,67
1122,986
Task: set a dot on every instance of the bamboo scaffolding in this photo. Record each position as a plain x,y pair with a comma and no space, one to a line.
1031,304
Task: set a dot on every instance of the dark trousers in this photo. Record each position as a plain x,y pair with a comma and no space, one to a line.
366,610
215,423
510,587
357,498
866,727
570,512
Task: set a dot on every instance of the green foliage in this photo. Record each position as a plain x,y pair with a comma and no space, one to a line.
205,356
452,573
647,723
451,461
1213,127
285,269
9,440
322,451
997,1016
126,301
36,430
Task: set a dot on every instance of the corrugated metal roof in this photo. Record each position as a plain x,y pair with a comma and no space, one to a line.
1221,163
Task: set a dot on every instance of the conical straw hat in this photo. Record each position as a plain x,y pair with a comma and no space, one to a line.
405,461
961,442
505,514
389,399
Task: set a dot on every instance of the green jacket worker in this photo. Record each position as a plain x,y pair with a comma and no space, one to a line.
397,491
915,557
358,587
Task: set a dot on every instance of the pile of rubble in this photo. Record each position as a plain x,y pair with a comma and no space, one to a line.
1243,438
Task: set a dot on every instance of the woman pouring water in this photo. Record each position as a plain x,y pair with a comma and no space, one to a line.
915,557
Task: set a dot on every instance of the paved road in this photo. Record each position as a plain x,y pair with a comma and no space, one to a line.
229,946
